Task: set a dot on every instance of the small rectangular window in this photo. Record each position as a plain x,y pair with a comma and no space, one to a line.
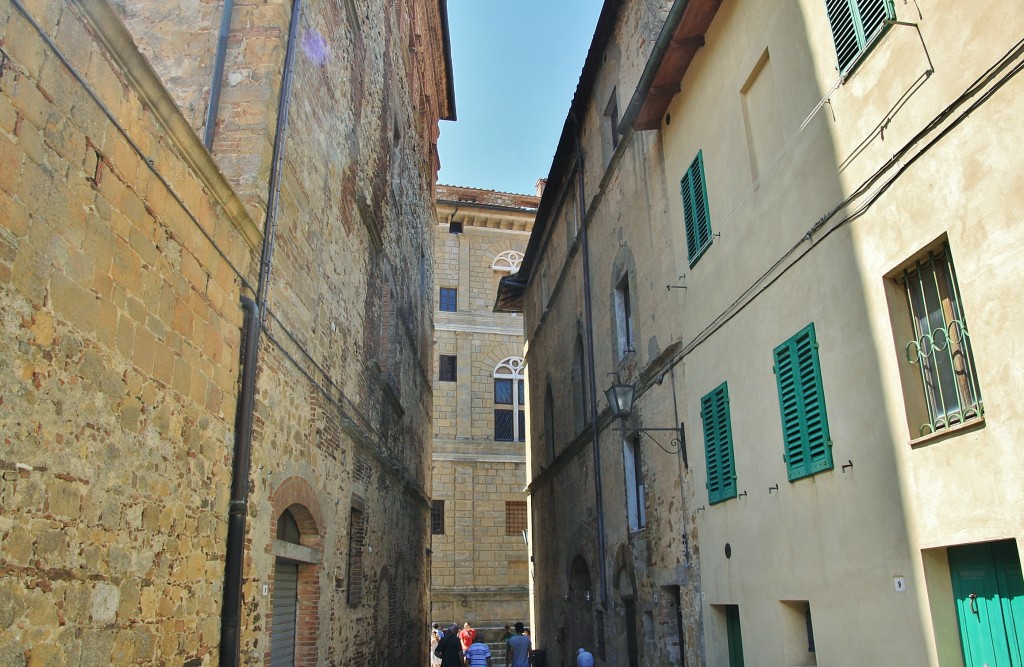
446,367
611,114
504,425
624,316
515,517
449,299
636,500
856,24
437,517
695,210
798,633
807,444
356,540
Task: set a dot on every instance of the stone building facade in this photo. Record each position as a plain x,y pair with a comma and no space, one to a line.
800,222
149,257
479,568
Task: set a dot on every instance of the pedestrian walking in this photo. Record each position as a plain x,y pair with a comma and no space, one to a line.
584,658
478,654
517,653
467,635
449,649
435,636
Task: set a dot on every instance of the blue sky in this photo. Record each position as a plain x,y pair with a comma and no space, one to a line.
516,66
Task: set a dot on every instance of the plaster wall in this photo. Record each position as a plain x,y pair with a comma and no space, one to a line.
838,539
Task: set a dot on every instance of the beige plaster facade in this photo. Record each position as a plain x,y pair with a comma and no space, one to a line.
129,255
823,191
479,566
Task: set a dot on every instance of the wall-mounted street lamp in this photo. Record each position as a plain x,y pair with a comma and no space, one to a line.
620,401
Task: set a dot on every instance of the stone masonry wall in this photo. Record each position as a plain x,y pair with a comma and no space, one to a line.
121,269
479,572
119,358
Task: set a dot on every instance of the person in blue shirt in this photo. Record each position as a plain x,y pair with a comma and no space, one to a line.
518,652
478,655
584,658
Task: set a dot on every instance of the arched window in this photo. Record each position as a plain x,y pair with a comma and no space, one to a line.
507,261
510,421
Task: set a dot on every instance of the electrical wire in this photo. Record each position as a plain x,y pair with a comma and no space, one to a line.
757,287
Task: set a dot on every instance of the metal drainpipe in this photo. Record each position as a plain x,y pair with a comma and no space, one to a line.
255,316
218,73
239,505
589,321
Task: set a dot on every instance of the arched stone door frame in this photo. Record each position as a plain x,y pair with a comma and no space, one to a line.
304,551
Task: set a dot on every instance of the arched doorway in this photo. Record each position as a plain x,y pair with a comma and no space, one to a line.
286,597
581,607
293,618
627,594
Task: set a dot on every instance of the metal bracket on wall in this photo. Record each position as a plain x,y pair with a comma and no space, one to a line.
681,280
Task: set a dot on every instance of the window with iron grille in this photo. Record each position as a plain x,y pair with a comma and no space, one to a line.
449,299
437,517
806,440
940,350
446,367
695,210
856,24
718,450
509,389
515,517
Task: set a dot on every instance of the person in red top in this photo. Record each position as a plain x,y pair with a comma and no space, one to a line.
466,635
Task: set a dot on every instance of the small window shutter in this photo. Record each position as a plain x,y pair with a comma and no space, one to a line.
718,448
872,15
700,201
855,25
844,32
695,208
686,188
808,448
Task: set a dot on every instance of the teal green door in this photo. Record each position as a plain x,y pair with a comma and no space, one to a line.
989,593
732,626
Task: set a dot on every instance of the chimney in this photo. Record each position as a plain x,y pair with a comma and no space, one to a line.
541,184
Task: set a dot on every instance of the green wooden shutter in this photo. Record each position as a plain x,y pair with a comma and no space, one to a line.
805,435
855,26
718,450
695,209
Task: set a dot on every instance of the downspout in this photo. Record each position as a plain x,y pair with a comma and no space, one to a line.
588,316
239,504
255,316
218,73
